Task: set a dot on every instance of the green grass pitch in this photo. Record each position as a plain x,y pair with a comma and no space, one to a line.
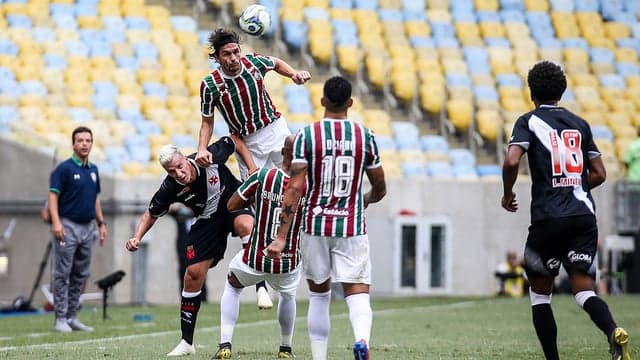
404,328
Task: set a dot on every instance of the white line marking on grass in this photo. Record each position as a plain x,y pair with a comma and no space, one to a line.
457,305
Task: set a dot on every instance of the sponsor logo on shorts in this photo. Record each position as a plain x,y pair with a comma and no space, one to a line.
579,257
553,264
191,252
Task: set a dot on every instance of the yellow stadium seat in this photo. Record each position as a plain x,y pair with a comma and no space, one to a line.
80,99
56,100
89,22
536,5
67,35
491,29
411,155
432,98
291,13
376,69
30,100
340,14
460,113
603,68
576,55
417,28
584,79
439,15
109,9
404,84
626,54
137,35
72,75
489,123
14,8
349,58
185,37
621,146
487,5
551,54
135,10
438,4
616,30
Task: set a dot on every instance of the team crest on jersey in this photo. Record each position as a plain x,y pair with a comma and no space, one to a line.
94,177
213,180
191,252
256,74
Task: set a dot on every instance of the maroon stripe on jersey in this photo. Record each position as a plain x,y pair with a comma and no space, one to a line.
268,186
243,91
336,134
234,124
315,166
358,154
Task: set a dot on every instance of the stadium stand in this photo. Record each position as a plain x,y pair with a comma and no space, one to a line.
131,70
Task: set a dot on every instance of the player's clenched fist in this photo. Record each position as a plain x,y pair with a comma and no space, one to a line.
132,244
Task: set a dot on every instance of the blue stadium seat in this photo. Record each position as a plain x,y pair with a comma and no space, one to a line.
220,128
295,33
587,6
65,21
6,75
601,55
422,41
602,132
10,88
385,143
489,170
9,114
57,9
411,15
295,126
137,23
612,80
341,4
104,102
627,69
446,42
512,16
78,114
148,128
458,80
77,48
497,42
562,5
464,16
509,80
183,23
55,61
512,5
568,95
411,169
625,18
91,35
114,35
203,37
127,62
462,5
609,9
114,23
579,43
100,49
486,92
19,21
155,89
488,16
43,35
414,5
314,13
85,9
404,130
8,47
184,141
407,143
130,115
434,143
366,4
462,157
105,87
390,15
145,50
443,30
439,169
467,172
116,156
33,87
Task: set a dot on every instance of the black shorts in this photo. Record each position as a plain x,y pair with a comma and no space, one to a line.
208,237
570,241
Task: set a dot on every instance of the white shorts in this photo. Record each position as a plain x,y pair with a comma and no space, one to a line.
344,260
286,283
265,145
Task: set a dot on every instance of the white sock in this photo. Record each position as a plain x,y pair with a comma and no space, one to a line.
318,323
245,239
582,296
360,315
229,309
286,317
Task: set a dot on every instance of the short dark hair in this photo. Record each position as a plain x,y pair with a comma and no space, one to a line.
78,130
547,82
336,92
220,37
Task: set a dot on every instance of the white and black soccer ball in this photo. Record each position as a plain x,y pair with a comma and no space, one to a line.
255,20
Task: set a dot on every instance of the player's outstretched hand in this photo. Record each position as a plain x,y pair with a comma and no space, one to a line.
204,158
301,77
132,244
509,202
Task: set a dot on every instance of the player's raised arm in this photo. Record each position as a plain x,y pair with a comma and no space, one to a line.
203,156
283,68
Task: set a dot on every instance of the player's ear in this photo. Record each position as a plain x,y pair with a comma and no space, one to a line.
322,101
349,102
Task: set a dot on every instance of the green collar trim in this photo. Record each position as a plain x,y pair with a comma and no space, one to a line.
77,161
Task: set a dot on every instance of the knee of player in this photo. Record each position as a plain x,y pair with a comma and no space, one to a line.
243,225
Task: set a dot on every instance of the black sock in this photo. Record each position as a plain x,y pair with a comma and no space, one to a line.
546,329
188,313
600,315
261,284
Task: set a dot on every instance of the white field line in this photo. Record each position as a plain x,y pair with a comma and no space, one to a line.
463,304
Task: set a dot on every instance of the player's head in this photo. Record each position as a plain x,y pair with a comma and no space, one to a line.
512,257
547,82
82,141
176,164
224,48
287,151
336,95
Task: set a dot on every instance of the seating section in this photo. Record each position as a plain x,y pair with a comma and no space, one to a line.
471,57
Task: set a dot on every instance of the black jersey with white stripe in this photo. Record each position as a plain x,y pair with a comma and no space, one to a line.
559,145
207,196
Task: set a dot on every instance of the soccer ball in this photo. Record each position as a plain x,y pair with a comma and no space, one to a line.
255,20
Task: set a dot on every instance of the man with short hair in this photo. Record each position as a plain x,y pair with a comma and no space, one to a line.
331,157
565,164
77,223
250,266
238,91
205,190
